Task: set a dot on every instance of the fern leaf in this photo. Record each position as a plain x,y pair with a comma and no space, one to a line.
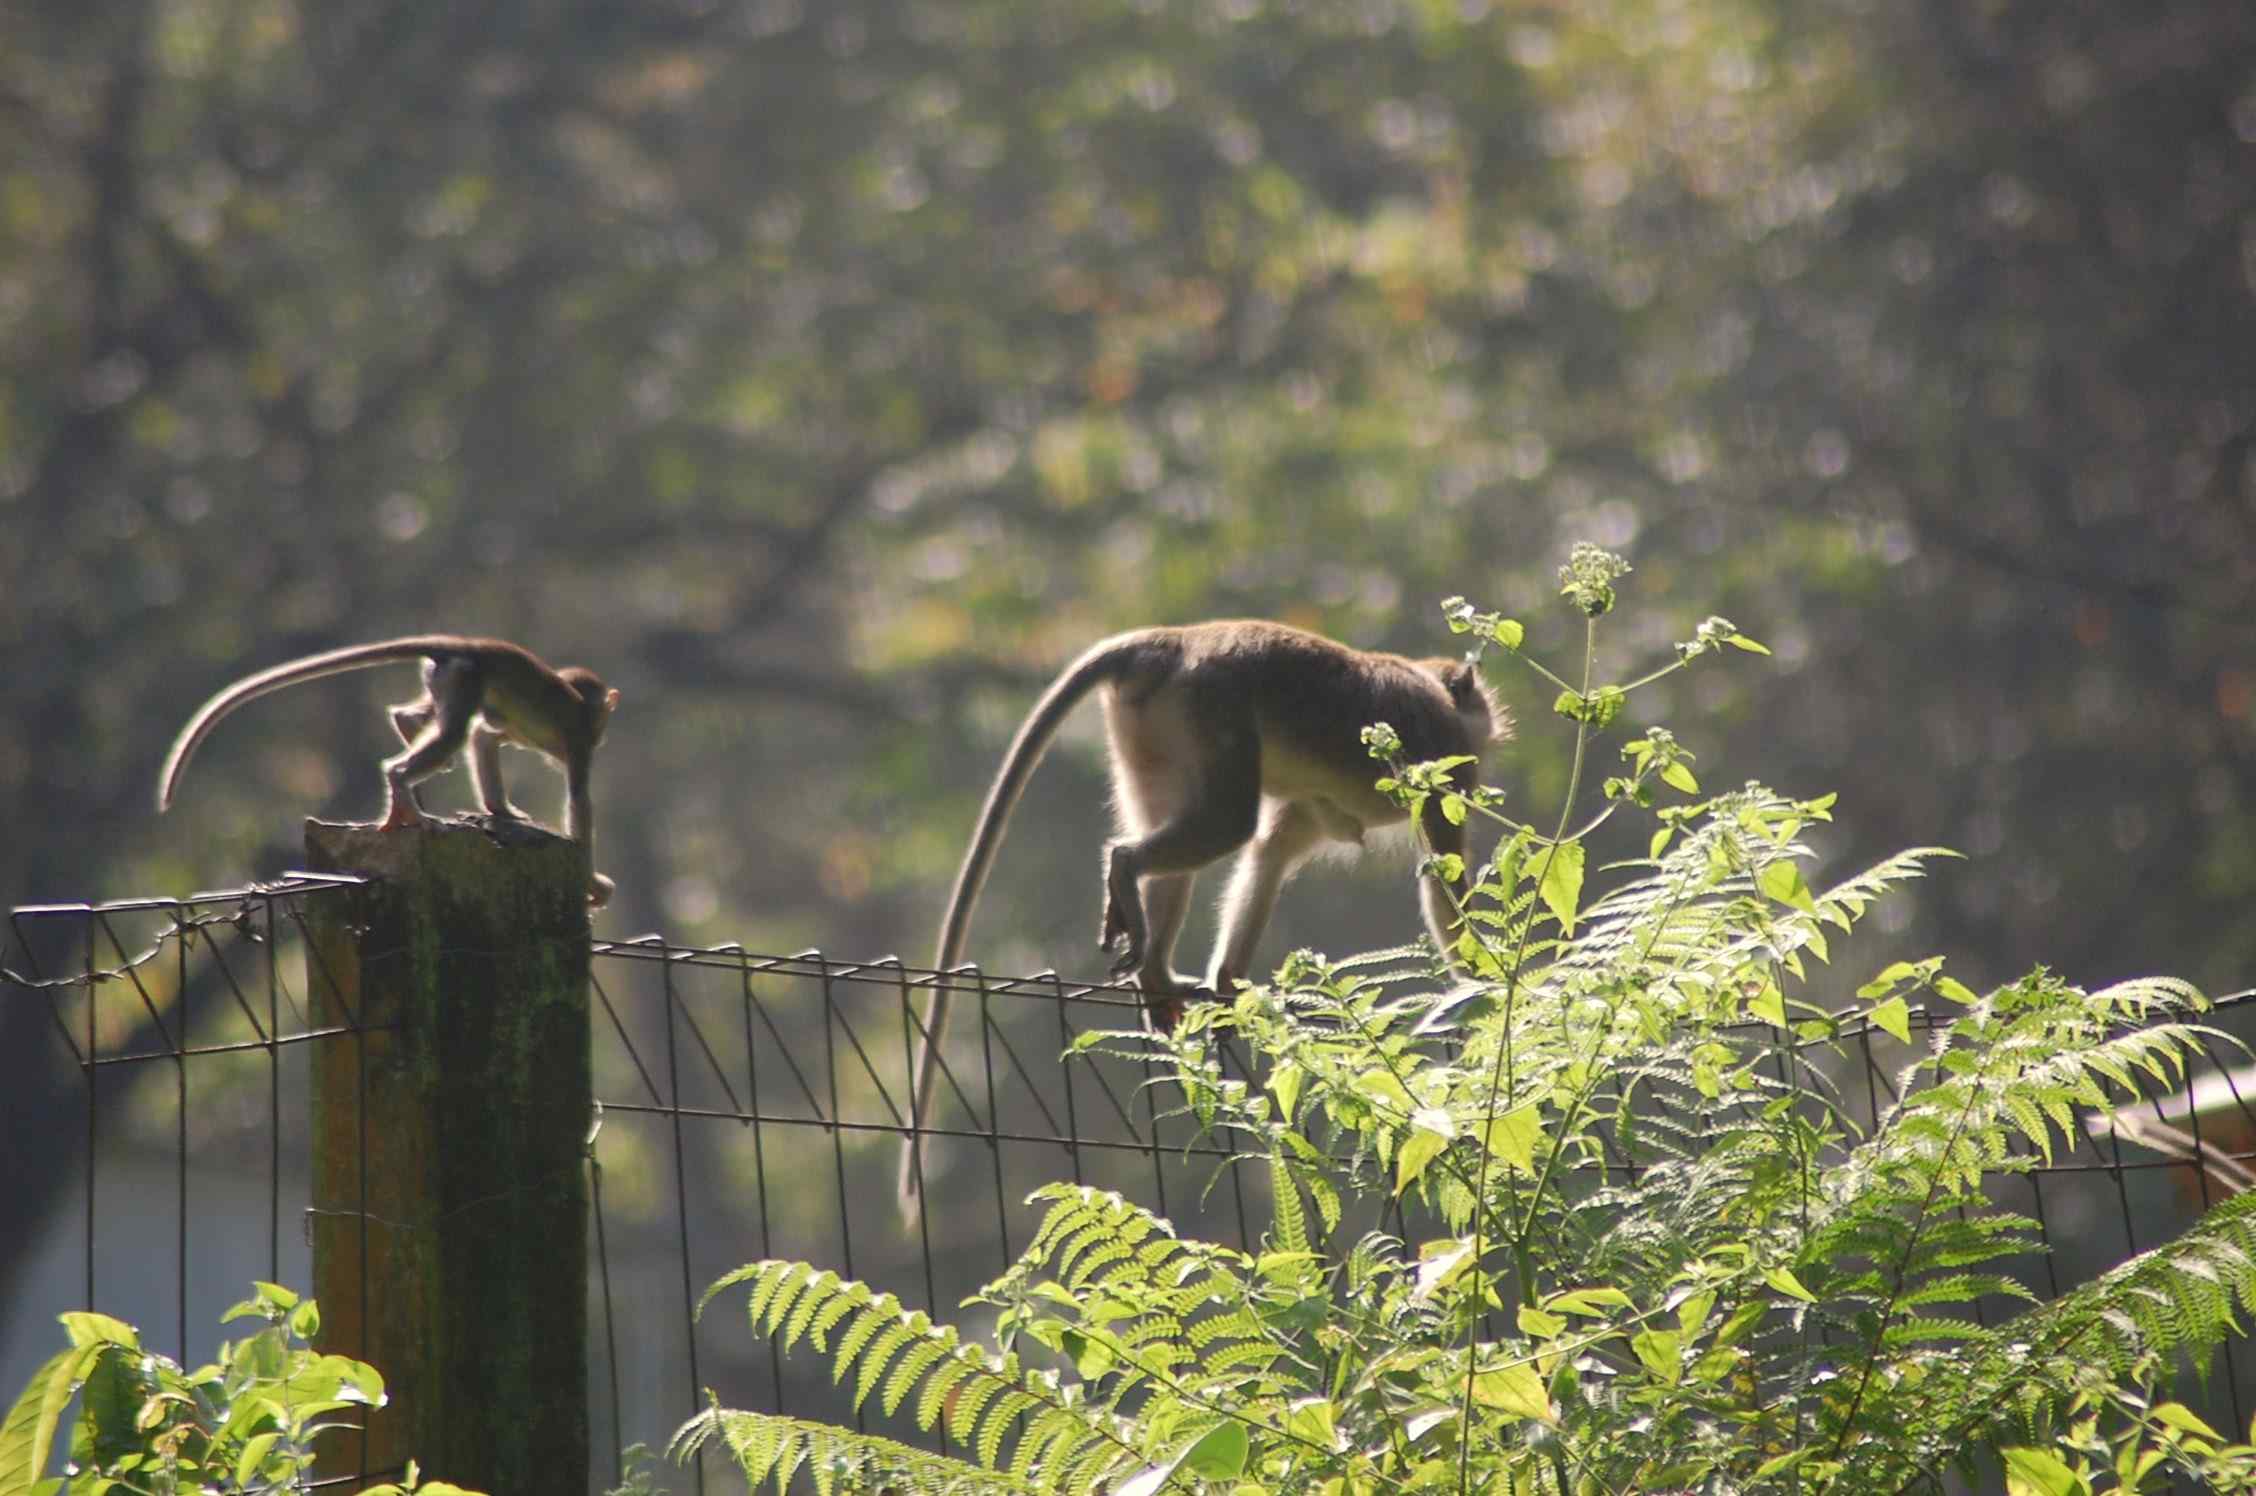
771,1446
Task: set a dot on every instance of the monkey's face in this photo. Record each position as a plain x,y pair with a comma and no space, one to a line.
597,701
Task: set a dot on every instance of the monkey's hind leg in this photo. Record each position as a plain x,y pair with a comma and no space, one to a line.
452,689
1216,817
1167,903
485,772
409,719
1289,833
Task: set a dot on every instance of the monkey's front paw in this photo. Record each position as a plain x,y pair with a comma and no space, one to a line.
599,891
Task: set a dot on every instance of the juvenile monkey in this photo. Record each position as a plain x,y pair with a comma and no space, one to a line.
1236,733
479,692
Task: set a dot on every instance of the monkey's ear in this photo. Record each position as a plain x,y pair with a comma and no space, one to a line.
1469,693
1463,684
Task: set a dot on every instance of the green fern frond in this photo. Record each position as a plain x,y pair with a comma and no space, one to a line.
893,1352
772,1447
2182,1298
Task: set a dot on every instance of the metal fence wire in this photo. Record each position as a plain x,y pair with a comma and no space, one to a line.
747,1106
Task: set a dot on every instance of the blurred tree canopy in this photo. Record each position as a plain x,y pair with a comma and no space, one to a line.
825,374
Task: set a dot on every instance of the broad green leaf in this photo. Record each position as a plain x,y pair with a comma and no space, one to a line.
1379,1085
1422,1147
1314,1420
1894,1017
28,1433
1769,1005
1562,882
1782,880
253,1455
1591,1301
1541,1323
1785,1282
1679,777
1957,991
1219,1453
2040,1472
1509,632
1662,1351
2179,1416
1745,643
1517,1390
1889,976
1513,1136
87,1328
1284,1083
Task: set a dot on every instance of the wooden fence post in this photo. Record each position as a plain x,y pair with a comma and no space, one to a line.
449,1182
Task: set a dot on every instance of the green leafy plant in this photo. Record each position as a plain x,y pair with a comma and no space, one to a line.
246,1422
1652,1243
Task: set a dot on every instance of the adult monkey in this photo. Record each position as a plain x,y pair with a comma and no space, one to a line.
479,692
1235,733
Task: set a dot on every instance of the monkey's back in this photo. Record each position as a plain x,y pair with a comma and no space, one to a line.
1309,699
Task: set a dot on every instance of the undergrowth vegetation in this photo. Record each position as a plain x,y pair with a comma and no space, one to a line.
1591,1213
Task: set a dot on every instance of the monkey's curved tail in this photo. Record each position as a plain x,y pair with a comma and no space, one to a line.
274,678
1103,662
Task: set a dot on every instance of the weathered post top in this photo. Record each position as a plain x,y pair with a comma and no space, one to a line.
450,1234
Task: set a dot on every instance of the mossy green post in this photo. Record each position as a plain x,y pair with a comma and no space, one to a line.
467,1094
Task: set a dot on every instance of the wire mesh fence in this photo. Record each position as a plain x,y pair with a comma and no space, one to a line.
747,1106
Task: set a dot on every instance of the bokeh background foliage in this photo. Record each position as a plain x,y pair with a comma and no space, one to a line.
826,373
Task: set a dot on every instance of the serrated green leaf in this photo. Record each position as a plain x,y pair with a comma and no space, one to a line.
1676,776
1662,1351
1562,882
1419,1149
1782,881
1893,1017
1379,1085
1513,1136
1517,1390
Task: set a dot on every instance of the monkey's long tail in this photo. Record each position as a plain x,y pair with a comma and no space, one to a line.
1103,662
274,678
